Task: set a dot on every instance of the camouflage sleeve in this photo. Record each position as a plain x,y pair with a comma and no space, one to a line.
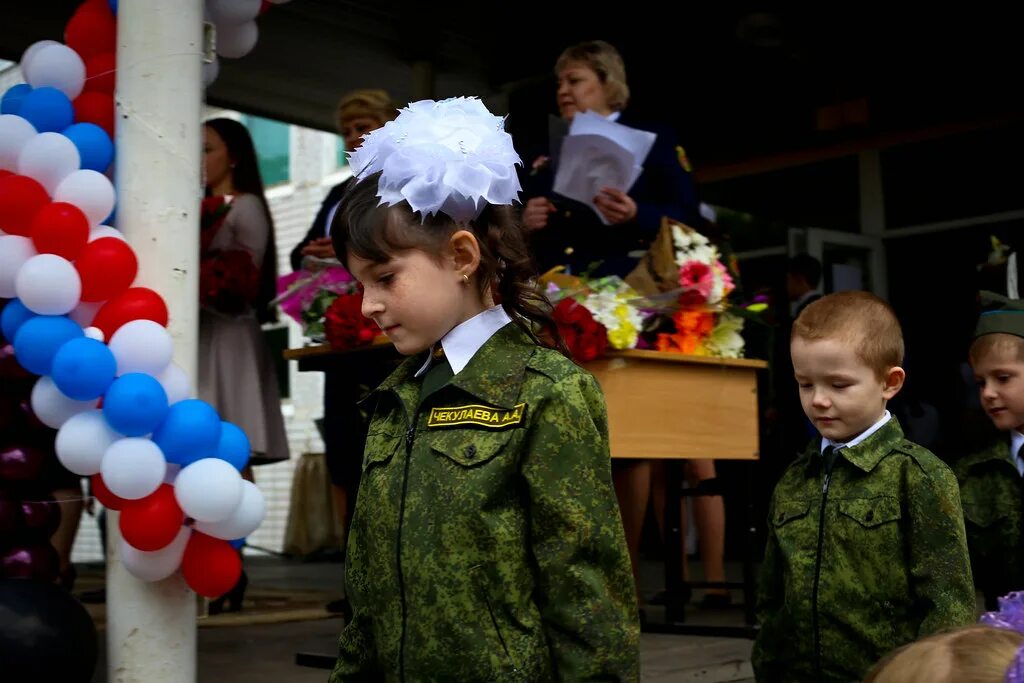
939,565
355,652
586,594
769,602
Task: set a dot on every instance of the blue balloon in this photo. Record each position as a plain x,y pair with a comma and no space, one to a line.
83,369
14,315
94,146
39,338
135,404
113,5
15,95
237,543
48,109
233,446
190,432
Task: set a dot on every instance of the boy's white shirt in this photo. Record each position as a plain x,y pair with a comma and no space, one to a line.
1016,442
859,438
466,338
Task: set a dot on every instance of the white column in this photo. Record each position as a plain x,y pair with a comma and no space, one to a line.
151,627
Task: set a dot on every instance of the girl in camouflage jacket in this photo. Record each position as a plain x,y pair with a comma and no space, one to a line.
486,543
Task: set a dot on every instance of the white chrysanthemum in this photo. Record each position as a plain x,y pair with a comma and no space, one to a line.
725,341
452,156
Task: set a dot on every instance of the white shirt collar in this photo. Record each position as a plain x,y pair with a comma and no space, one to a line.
466,338
859,438
1016,441
614,116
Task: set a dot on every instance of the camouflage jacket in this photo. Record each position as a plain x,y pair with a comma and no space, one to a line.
990,490
487,543
860,561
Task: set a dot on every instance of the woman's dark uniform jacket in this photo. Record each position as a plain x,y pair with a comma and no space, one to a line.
575,235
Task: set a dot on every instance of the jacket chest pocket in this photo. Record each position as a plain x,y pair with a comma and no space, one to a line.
471,449
792,524
877,516
986,515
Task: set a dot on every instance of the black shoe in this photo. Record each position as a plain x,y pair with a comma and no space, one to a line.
232,600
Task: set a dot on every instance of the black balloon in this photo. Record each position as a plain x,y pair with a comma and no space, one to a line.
40,517
31,561
46,636
20,463
10,516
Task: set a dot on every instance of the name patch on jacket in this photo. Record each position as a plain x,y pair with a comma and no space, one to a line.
476,415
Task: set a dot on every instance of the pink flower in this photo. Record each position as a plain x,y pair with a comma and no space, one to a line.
697,279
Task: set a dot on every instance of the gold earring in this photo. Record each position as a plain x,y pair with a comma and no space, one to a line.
465,279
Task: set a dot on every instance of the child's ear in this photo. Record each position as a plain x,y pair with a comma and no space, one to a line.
465,253
894,378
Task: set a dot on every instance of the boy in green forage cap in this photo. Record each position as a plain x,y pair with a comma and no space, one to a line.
991,482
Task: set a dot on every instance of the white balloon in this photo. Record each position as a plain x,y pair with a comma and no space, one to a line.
244,520
133,468
48,285
233,11
236,40
141,346
210,71
15,132
176,383
155,565
52,407
82,441
208,490
105,231
15,250
90,191
94,333
49,158
85,312
31,51
56,66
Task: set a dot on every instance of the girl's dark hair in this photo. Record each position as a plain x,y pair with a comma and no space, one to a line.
365,229
245,176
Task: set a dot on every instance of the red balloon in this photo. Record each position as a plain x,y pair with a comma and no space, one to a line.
211,567
100,73
20,199
103,494
60,228
137,303
4,172
107,267
151,523
95,107
91,30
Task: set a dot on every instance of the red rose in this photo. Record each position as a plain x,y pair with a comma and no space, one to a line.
229,281
585,338
345,325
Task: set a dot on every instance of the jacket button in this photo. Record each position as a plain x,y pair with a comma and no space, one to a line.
470,451
870,516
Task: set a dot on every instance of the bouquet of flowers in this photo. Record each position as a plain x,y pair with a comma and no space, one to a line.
684,307
229,280
305,295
